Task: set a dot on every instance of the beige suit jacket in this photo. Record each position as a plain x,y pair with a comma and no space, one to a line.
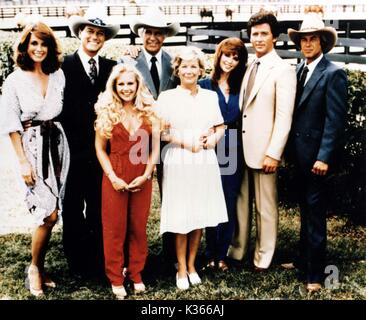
267,114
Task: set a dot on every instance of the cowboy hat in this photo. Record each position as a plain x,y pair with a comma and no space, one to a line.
154,18
314,24
95,16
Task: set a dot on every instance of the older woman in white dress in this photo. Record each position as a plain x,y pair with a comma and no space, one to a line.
32,98
192,191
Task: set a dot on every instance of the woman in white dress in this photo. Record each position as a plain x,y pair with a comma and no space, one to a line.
192,192
32,98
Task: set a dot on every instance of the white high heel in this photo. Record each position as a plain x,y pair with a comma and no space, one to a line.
33,272
47,281
139,287
119,292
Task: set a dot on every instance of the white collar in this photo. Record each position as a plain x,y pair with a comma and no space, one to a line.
267,58
187,91
148,56
312,65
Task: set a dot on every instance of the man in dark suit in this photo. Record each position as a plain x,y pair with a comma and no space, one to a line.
86,76
154,64
317,130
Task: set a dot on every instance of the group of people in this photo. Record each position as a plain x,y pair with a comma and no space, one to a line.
89,131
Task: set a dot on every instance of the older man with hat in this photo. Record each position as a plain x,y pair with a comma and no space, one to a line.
317,129
86,75
154,63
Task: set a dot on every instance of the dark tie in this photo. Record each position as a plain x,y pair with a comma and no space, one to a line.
93,70
251,81
154,73
300,84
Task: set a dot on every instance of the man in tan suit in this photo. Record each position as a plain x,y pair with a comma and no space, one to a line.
267,100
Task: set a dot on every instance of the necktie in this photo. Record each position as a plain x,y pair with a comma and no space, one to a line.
154,73
93,70
251,81
300,84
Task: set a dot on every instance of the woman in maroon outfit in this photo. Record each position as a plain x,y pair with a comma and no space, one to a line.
124,117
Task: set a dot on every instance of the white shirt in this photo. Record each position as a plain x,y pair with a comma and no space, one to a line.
85,60
311,66
158,62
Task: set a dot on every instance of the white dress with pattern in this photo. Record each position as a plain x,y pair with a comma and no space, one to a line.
193,197
22,100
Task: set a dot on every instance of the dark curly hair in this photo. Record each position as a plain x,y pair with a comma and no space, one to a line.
228,46
261,17
45,33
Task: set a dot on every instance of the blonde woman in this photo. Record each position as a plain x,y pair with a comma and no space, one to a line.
124,118
193,198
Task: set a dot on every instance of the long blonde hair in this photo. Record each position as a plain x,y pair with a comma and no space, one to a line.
109,107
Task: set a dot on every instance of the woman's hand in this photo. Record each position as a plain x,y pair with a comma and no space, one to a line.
210,142
165,131
118,184
27,173
136,184
197,147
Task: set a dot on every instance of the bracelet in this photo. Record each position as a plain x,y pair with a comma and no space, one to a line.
148,177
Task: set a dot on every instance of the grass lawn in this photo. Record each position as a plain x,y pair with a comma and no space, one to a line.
346,250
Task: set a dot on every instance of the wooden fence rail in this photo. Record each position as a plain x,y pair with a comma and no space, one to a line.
10,11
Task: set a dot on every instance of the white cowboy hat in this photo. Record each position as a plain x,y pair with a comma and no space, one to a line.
94,16
314,24
154,18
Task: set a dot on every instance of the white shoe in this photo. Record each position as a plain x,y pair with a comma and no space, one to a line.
182,283
194,278
119,292
139,287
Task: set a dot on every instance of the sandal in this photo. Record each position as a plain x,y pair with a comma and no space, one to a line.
47,281
222,266
33,281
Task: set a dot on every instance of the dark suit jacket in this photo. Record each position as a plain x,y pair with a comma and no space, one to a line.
167,80
319,118
78,113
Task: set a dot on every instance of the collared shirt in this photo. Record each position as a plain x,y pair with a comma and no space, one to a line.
264,60
267,58
158,60
85,60
311,66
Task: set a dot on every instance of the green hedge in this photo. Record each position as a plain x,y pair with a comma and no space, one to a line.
347,188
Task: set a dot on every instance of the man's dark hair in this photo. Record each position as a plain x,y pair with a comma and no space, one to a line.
261,17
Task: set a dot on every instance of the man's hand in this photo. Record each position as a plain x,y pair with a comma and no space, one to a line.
270,165
132,51
320,168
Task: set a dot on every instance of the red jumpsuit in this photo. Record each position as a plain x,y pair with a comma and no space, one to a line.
125,214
